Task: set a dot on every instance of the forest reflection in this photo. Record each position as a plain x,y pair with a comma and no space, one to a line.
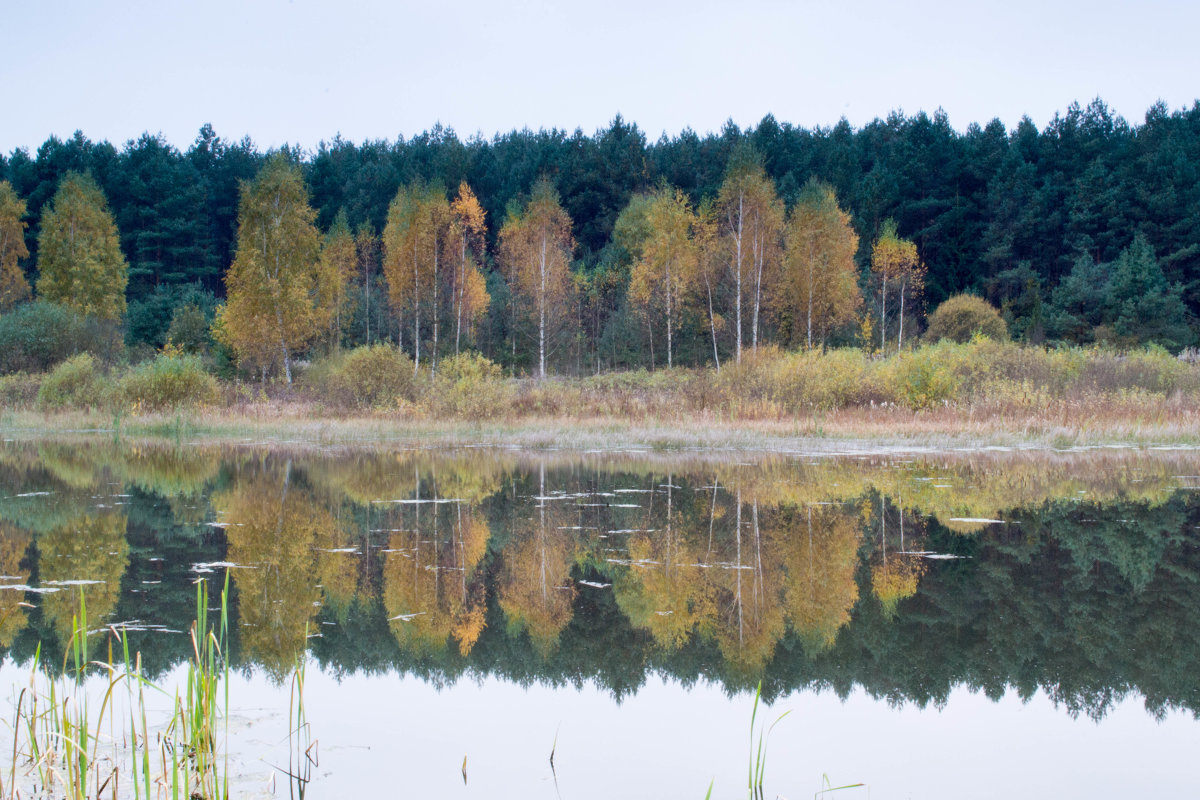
1072,574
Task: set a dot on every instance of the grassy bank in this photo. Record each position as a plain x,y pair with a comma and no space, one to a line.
947,394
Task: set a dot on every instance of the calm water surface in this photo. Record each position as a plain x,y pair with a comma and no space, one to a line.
938,626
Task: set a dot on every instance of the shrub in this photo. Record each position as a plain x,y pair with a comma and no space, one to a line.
378,375
73,383
151,319
172,380
469,386
189,329
19,390
925,377
36,336
964,316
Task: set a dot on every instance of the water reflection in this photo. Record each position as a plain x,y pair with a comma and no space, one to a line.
1076,575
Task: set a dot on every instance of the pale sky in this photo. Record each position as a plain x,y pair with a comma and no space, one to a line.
304,71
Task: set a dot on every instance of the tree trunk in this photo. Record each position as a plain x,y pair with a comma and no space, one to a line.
542,315
287,362
738,278
810,299
416,311
436,309
900,333
669,361
712,323
883,316
462,279
757,252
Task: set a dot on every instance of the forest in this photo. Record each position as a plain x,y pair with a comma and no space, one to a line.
556,252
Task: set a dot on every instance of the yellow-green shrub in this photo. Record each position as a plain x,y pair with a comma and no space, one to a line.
378,376
19,390
925,377
469,386
963,317
74,383
171,380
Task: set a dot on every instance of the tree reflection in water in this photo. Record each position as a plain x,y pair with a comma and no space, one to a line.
888,575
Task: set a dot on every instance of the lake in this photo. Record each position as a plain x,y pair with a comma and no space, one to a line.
934,625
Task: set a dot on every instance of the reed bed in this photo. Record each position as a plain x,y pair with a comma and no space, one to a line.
70,741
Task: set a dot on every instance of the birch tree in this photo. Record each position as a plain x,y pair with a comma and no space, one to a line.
339,263
13,286
894,260
664,271
413,250
709,265
821,277
274,286
766,248
366,245
535,248
468,287
750,219
80,263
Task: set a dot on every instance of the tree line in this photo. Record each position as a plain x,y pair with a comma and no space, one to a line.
577,253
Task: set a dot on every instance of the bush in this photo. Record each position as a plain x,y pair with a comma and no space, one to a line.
189,329
73,383
378,375
36,336
469,386
964,316
927,376
19,390
172,380
151,319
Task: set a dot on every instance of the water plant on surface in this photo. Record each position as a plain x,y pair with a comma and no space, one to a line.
758,756
302,748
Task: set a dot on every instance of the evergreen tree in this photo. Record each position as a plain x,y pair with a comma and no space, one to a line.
1144,307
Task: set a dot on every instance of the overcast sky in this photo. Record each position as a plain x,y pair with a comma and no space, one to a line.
304,71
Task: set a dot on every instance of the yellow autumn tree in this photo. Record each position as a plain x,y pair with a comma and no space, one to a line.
751,226
274,287
468,287
414,243
366,244
339,264
821,276
80,264
535,249
662,275
13,286
709,265
894,261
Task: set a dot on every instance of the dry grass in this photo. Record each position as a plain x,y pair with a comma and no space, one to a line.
980,393
1060,425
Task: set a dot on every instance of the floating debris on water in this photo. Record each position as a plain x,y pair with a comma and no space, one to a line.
595,584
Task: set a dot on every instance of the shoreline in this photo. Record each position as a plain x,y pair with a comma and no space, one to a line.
844,432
